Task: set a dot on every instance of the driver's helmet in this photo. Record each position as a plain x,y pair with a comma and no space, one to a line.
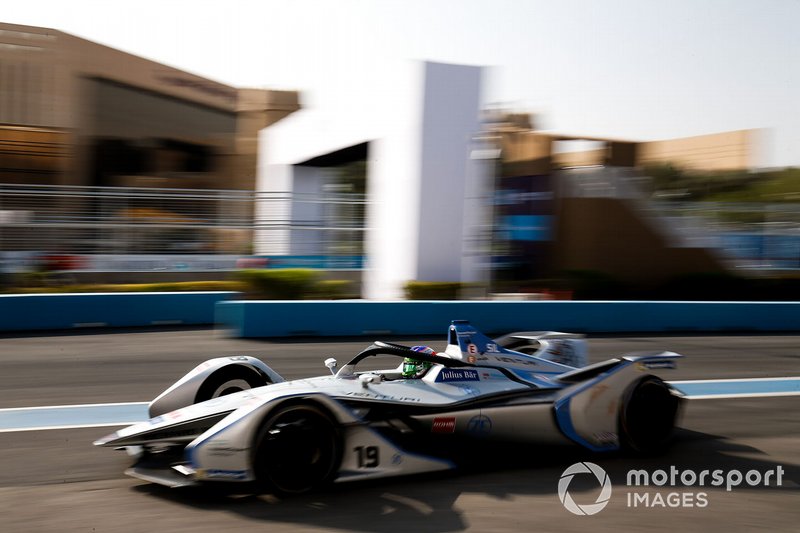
413,368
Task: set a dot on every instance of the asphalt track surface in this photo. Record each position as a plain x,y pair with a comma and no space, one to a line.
55,480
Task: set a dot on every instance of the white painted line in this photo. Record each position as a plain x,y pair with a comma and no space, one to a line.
76,426
735,380
72,416
741,395
71,406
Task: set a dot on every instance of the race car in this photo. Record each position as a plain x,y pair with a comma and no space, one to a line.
234,419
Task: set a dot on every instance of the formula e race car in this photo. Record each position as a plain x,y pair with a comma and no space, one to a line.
234,419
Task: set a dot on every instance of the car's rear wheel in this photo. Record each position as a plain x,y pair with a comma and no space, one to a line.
230,379
298,449
648,415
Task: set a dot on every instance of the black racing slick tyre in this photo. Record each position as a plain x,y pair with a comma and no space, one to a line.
648,416
298,449
229,379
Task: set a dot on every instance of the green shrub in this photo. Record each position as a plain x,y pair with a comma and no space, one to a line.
333,289
279,284
182,286
433,290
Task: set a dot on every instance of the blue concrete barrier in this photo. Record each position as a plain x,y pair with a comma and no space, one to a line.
332,318
26,312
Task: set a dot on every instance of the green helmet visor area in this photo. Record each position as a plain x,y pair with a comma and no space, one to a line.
413,368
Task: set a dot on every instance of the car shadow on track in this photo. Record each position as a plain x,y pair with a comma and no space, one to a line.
430,503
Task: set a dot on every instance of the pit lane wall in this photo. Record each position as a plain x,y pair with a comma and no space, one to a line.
29,312
343,318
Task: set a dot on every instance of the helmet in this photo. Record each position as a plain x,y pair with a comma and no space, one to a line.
413,368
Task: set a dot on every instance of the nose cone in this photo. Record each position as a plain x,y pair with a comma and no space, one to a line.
107,440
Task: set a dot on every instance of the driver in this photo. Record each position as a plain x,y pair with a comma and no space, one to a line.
416,369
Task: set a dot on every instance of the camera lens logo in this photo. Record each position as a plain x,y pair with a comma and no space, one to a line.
602,479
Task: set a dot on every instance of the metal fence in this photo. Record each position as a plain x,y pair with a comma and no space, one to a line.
120,220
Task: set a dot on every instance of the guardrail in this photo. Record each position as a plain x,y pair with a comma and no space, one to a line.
343,318
28,312
248,318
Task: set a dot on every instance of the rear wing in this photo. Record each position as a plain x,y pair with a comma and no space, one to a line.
643,360
466,343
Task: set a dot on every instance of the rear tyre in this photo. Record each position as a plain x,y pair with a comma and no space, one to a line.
227,380
647,417
298,449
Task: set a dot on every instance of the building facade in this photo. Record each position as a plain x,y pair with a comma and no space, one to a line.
73,112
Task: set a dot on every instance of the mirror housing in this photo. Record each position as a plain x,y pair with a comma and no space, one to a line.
331,364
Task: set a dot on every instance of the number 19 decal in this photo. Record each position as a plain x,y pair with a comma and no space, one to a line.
367,456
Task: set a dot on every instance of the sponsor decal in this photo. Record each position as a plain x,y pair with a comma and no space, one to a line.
174,415
457,374
444,425
225,450
471,359
479,425
492,348
472,349
606,437
397,459
226,474
376,396
656,365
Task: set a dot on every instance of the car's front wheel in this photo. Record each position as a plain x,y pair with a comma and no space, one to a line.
229,379
298,449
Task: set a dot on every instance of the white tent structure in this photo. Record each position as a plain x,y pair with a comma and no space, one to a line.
428,209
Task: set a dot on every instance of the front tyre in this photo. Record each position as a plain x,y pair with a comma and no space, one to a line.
648,414
298,449
228,380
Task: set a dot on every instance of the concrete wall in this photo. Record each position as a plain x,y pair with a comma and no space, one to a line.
376,319
30,312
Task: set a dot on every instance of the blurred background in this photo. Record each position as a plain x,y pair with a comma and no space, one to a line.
629,152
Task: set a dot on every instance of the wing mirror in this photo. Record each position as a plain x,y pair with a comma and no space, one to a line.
331,364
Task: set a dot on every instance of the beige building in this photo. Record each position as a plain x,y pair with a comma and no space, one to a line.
538,152
73,112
